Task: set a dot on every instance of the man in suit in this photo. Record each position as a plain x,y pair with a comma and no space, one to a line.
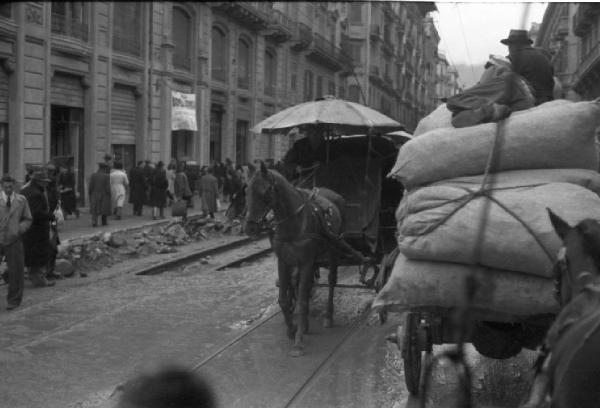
531,64
15,219
100,195
37,238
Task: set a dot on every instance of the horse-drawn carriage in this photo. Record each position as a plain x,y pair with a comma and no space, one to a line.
340,213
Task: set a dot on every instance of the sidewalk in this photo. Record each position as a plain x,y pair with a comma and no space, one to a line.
82,227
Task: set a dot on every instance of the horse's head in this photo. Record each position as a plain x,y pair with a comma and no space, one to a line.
260,196
579,259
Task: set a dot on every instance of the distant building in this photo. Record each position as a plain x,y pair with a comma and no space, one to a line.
571,33
162,80
446,78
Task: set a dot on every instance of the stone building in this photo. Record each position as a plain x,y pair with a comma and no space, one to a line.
571,32
83,79
446,78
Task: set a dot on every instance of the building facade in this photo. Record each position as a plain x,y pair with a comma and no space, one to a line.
83,79
571,32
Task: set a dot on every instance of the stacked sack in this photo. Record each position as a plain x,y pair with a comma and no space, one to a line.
545,157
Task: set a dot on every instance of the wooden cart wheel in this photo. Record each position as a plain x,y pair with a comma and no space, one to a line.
412,352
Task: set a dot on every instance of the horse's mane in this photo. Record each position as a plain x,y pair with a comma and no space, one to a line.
590,230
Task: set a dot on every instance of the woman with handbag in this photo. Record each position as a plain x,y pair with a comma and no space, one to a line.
182,191
66,189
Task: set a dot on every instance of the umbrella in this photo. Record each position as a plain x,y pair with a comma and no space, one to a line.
399,137
343,116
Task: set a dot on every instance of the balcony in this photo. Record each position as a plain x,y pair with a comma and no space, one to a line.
584,18
325,52
69,27
182,61
375,32
219,74
126,44
302,37
254,15
282,28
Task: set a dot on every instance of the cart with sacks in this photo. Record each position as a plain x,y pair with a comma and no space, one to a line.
473,230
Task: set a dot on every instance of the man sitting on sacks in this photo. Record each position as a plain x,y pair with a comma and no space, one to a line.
499,92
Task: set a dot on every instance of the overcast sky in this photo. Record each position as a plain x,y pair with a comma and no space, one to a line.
470,31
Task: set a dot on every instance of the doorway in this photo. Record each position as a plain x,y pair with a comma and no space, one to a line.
181,144
66,140
124,153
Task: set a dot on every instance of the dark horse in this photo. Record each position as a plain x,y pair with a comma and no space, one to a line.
568,370
308,225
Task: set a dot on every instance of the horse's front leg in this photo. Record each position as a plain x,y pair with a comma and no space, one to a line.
328,321
306,278
285,301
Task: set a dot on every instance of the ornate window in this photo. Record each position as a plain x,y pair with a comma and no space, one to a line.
127,18
182,36
219,55
244,57
69,18
270,72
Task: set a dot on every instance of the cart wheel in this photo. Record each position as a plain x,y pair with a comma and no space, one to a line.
412,353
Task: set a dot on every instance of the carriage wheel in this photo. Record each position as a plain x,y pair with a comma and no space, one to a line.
412,352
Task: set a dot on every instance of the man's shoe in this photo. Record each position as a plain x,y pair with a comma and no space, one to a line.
11,306
43,283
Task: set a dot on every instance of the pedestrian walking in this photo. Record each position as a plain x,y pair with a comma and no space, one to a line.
171,175
66,190
119,183
182,188
158,191
36,240
52,186
100,195
148,171
15,220
137,183
209,192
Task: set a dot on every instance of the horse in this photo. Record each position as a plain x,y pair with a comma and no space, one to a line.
308,227
568,368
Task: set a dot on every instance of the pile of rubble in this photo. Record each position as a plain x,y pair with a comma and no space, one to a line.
105,249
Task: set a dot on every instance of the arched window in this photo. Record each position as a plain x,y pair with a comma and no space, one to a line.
270,72
127,28
182,38
219,55
243,64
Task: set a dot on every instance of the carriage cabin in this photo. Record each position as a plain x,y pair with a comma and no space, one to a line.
356,168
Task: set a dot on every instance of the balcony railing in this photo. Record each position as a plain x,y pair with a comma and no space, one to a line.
219,74
69,27
182,61
244,83
126,44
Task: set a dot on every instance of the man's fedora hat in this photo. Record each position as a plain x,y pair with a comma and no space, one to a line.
40,175
517,37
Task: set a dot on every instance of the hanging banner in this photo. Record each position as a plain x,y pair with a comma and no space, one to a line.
183,111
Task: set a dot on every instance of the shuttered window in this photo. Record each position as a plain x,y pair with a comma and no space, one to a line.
66,91
3,97
123,115
182,28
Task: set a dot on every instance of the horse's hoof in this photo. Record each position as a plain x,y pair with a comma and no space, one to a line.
297,352
291,332
328,323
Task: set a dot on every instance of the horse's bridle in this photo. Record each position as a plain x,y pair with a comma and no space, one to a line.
268,199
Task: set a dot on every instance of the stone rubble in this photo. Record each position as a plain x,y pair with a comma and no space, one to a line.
105,249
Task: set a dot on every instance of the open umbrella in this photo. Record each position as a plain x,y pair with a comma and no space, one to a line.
337,114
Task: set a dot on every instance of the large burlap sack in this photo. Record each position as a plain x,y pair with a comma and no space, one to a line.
441,117
441,222
424,285
557,134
